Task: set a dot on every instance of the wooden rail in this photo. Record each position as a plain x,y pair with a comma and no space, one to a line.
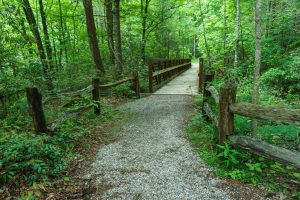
228,107
161,72
35,102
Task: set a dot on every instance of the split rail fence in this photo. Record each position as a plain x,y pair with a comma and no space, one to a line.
35,102
228,107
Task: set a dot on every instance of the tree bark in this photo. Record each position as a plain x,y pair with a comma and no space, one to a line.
63,29
92,35
110,30
225,33
117,33
144,15
257,63
46,34
237,34
204,34
34,29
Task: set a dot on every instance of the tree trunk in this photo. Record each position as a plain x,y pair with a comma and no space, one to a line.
117,33
270,3
144,16
46,34
92,35
225,32
256,77
61,38
63,30
34,29
204,34
110,30
237,34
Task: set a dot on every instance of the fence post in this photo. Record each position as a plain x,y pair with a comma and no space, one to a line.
226,118
201,75
150,76
35,106
136,83
207,79
96,95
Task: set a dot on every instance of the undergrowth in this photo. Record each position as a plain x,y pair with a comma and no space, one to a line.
29,162
237,164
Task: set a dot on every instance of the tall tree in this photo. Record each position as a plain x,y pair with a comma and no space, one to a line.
144,14
204,34
110,30
117,34
237,34
62,35
257,62
92,35
225,32
46,34
34,29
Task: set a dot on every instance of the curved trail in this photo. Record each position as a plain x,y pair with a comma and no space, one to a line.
152,158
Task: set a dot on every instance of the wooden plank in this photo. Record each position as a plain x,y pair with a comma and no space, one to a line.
109,85
262,148
169,69
214,93
210,114
272,113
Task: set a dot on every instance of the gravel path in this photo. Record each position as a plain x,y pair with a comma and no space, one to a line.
152,158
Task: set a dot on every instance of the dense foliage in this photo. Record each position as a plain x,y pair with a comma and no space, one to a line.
48,44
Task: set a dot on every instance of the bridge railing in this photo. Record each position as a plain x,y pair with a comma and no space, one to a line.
161,71
228,108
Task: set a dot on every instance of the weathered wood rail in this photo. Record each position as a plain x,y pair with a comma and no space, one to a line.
161,72
35,102
228,107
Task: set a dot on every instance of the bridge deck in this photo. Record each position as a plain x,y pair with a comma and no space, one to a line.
186,83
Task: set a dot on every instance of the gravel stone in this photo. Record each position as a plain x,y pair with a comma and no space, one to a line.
152,159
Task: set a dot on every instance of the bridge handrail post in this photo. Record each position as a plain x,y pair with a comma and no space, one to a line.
150,76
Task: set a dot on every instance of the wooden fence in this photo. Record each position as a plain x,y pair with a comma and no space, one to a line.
161,72
228,107
35,102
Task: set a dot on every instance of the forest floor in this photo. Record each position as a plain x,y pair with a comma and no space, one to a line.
151,158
